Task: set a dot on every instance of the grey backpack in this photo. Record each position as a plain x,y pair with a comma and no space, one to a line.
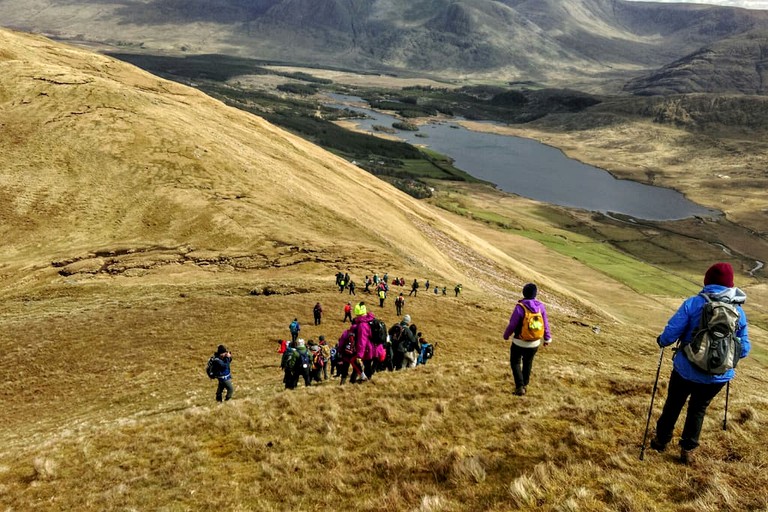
715,348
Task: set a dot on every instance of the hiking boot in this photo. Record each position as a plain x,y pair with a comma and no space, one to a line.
687,457
520,391
658,445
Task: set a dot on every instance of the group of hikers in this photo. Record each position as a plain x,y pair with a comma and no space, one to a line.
710,329
366,347
381,284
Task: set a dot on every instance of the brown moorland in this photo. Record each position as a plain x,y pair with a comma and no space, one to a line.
144,223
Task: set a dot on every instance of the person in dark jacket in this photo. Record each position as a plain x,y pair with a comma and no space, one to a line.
403,341
688,382
317,312
286,364
222,373
302,364
522,351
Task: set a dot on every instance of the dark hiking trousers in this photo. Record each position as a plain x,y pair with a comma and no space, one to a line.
224,384
521,362
298,374
700,397
317,318
369,368
397,359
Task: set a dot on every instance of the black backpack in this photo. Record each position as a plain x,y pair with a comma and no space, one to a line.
398,338
209,367
378,331
429,351
714,347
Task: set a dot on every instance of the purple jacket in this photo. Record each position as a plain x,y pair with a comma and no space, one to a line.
363,335
515,321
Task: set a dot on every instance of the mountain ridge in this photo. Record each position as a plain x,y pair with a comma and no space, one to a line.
546,41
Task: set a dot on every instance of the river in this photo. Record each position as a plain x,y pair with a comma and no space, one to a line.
531,169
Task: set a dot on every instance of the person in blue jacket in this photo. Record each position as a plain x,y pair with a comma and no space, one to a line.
222,373
687,382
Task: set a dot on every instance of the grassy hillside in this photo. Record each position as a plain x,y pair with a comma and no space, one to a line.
144,223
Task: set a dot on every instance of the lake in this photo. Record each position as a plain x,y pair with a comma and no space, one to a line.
531,169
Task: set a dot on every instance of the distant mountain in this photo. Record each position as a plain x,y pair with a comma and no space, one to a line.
734,65
549,41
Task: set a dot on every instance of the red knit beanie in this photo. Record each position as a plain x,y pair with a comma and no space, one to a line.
719,273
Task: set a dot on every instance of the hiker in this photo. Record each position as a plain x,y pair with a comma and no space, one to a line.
382,297
411,355
457,290
688,381
317,311
302,364
529,326
347,312
286,364
283,346
347,347
339,278
385,277
361,328
368,282
426,350
426,285
326,350
347,279
342,285
399,303
352,288
294,327
402,340
221,372
444,290
437,290
335,362
316,353
414,288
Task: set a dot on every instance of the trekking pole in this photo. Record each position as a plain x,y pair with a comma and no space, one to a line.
650,409
725,416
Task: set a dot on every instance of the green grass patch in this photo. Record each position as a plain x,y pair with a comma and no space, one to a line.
597,254
601,256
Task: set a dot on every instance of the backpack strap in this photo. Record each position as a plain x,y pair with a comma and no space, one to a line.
525,308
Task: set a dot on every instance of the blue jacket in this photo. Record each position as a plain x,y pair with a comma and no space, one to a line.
681,327
221,368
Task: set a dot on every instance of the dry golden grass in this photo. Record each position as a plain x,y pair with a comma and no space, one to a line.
143,223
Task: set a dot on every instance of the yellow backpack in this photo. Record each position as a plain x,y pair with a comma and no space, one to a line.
532,327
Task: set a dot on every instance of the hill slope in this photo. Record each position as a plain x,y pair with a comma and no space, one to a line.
551,41
144,224
87,170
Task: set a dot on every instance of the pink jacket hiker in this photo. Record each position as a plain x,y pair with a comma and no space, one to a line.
363,334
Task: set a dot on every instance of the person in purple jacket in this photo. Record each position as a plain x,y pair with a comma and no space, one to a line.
522,351
687,382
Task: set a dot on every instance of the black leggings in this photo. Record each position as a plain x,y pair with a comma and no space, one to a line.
700,397
521,361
